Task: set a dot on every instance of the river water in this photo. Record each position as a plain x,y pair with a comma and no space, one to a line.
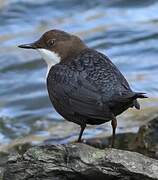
125,30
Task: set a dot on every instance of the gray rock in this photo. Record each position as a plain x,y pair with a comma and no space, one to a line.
79,161
146,141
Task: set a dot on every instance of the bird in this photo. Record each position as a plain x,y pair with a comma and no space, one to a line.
84,85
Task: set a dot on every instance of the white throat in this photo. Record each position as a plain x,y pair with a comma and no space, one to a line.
50,57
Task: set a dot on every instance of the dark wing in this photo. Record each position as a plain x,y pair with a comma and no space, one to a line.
91,86
120,89
75,94
104,76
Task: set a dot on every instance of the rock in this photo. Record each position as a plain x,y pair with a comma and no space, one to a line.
3,160
1,173
79,161
145,141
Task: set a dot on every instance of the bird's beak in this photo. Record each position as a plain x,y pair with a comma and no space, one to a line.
28,46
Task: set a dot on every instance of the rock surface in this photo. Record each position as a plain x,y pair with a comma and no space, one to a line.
79,161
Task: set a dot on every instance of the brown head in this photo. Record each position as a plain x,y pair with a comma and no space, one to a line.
56,46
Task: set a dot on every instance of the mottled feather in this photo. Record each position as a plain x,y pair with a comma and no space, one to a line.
89,87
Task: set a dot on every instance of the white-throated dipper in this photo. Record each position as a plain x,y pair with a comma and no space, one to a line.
84,86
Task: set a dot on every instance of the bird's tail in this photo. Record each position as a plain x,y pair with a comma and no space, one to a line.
139,95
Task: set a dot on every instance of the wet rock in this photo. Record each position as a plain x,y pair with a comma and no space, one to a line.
79,161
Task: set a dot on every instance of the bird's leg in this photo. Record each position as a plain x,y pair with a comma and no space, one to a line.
114,125
83,126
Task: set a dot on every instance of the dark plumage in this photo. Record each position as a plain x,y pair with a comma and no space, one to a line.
85,87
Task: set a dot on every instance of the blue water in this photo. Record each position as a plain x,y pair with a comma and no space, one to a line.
125,30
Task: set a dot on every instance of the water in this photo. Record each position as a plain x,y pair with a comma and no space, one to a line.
127,31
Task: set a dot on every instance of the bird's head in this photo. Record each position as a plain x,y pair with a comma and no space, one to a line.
56,46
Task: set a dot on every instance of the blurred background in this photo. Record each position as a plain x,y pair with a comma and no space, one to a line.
125,30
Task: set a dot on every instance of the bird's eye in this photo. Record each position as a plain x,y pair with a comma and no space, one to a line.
50,42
